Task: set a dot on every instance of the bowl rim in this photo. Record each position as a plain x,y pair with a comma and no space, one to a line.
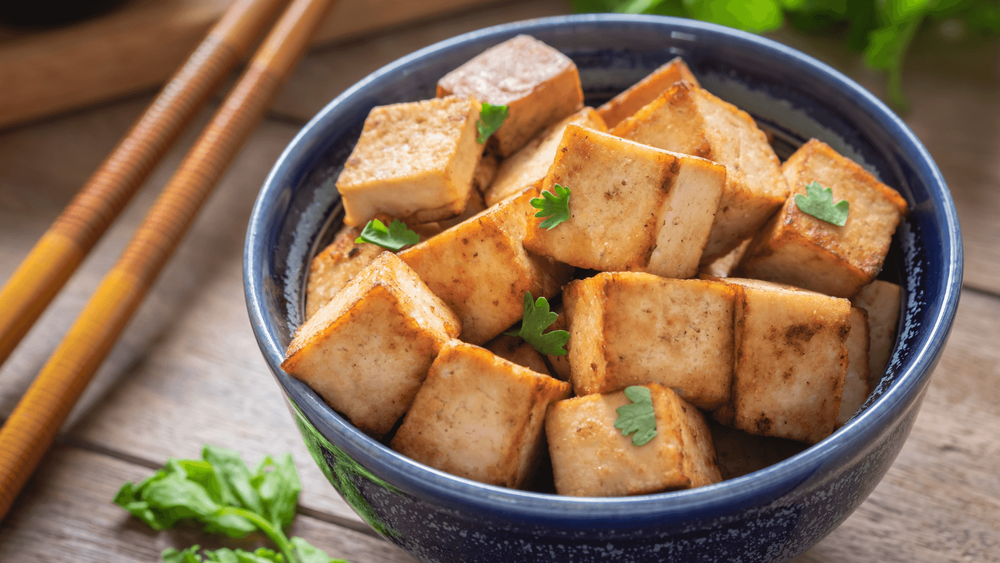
423,481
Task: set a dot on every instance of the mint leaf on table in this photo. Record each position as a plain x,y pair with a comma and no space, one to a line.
554,206
537,318
491,117
225,496
394,237
638,417
818,202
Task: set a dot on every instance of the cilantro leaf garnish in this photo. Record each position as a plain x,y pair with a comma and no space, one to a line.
554,206
491,117
223,494
393,237
818,202
537,318
637,417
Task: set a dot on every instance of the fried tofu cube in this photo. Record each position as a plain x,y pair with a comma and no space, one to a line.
517,350
881,300
528,167
856,387
335,265
645,91
632,207
414,161
479,416
791,361
481,270
799,249
633,328
367,351
538,84
590,457
690,120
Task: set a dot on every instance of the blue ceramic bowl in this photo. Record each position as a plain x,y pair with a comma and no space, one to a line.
769,515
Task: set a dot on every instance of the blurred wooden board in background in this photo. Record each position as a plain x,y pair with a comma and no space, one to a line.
140,44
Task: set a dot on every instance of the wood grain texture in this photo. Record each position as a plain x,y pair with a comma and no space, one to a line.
188,370
139,45
67,514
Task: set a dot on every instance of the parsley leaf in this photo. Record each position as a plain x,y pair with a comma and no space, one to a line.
638,416
223,494
537,318
818,202
394,237
554,206
491,117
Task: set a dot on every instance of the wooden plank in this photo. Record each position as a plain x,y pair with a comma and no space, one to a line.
139,45
171,383
66,514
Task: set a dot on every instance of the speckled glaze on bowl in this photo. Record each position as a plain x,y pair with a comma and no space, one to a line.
769,515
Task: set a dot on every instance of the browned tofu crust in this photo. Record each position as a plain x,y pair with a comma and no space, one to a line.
856,388
590,457
791,361
623,203
799,249
528,167
538,84
690,120
626,103
635,328
367,350
479,416
414,161
482,271
881,301
335,265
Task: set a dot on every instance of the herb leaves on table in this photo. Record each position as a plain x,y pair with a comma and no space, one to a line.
221,492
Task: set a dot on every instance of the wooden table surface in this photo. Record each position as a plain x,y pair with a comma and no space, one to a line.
188,371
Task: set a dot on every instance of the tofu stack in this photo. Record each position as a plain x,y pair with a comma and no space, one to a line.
671,193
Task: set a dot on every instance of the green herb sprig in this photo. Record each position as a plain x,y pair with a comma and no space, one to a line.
818,202
220,492
881,29
554,206
537,318
491,117
637,417
394,237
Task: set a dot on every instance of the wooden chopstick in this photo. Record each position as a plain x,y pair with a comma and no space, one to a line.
33,425
67,242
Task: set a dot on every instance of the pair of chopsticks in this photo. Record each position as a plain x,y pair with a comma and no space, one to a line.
35,421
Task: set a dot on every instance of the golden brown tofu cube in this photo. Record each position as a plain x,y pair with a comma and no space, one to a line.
739,453
479,416
689,120
414,161
528,167
856,379
645,91
515,349
634,328
367,351
591,458
799,249
791,360
631,207
481,270
881,300
331,269
538,84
